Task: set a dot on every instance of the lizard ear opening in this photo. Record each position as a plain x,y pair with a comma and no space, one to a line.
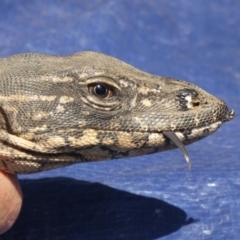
174,138
4,123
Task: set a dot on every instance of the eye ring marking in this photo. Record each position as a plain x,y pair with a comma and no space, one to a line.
101,90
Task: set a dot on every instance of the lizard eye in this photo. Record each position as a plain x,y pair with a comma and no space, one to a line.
101,90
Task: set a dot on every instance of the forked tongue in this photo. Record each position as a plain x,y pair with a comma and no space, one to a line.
174,138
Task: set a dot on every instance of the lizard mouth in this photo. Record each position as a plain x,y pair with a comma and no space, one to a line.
175,139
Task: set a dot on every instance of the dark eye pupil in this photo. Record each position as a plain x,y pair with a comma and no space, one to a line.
100,90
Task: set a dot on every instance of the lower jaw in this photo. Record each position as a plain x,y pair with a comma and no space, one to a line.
198,133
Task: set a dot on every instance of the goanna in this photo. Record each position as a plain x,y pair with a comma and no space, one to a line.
60,110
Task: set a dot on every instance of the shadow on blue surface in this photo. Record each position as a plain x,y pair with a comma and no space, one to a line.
65,208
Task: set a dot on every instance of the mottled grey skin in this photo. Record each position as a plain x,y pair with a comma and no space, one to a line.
51,116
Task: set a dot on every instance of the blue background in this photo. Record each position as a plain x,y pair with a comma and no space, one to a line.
147,197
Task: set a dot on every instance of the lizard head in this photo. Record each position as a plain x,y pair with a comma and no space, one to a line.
89,106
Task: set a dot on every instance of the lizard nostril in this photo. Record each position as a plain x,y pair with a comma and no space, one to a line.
188,98
195,104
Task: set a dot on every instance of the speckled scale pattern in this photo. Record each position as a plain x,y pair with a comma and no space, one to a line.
49,117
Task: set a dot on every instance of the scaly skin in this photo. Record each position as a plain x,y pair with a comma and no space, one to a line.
56,111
